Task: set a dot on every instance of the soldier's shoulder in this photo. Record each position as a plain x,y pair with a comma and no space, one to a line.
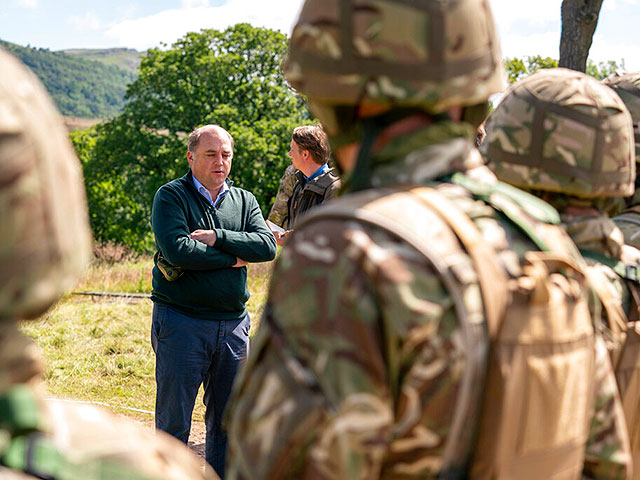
629,223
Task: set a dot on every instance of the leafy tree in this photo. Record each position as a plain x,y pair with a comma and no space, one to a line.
518,68
231,78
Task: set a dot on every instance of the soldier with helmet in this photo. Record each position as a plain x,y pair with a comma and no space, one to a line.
432,322
46,243
627,86
567,138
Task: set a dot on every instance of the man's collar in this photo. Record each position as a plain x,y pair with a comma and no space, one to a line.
206,193
323,169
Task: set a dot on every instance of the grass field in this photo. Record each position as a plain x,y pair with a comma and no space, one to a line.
97,349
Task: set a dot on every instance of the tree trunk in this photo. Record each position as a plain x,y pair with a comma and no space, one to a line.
579,21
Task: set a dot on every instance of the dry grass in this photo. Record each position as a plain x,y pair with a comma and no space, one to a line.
99,351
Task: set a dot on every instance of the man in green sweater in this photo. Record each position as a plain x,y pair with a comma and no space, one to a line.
206,232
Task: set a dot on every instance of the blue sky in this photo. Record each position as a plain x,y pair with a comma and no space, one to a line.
526,28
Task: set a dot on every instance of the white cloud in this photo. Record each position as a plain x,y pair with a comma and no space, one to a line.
604,49
545,44
509,14
195,3
88,21
170,25
28,3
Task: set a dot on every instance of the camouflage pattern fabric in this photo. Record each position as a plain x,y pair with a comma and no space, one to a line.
600,234
46,242
562,131
46,239
358,359
627,86
629,224
386,52
544,137
279,210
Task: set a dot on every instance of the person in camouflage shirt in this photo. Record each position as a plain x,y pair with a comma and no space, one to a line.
278,213
46,243
627,86
569,139
358,367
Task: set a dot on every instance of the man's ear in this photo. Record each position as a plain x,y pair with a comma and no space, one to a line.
189,157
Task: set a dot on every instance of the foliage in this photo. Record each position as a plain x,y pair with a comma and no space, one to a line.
79,87
231,78
518,68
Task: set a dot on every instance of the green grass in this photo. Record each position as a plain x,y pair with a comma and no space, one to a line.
99,350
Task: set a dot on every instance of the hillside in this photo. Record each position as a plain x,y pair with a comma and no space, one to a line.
80,87
125,58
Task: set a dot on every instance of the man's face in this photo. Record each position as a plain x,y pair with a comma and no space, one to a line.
296,154
211,162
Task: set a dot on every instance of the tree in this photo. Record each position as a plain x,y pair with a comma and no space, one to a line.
518,68
231,78
579,21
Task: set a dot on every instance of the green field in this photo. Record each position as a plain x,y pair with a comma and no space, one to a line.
97,349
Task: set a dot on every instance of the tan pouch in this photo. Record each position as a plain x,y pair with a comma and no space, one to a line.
628,377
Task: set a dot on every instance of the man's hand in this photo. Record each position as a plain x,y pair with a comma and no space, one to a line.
208,237
281,238
240,263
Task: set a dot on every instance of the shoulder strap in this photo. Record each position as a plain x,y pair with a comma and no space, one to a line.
491,276
511,202
627,272
398,223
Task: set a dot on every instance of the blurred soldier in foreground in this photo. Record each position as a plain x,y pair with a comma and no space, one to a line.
567,138
627,86
45,245
371,360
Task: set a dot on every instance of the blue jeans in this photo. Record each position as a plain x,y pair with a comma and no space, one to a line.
190,352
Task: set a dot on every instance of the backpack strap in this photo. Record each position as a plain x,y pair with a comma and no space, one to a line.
491,276
399,223
626,271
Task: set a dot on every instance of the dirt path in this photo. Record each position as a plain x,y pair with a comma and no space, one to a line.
196,439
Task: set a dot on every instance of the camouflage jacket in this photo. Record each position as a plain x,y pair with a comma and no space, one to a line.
279,210
358,358
600,235
308,194
66,441
629,223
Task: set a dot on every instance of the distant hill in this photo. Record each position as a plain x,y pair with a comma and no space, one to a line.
125,58
80,87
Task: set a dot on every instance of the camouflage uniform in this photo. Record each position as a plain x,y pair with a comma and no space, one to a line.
280,208
627,86
360,354
46,243
567,137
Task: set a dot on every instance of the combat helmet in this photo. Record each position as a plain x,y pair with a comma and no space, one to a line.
562,131
627,86
43,210
428,54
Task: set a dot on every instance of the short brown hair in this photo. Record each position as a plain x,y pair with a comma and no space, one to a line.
313,139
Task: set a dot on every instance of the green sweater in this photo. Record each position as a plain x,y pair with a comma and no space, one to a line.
209,288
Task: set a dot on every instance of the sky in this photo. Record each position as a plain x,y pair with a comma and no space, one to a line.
525,27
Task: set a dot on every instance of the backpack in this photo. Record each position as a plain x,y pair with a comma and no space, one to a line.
625,351
524,410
